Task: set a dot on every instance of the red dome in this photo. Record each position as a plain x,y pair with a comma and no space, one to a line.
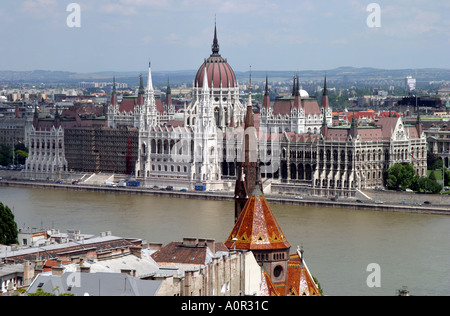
220,73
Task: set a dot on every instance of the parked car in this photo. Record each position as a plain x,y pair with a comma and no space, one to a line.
58,182
183,190
427,202
379,202
299,197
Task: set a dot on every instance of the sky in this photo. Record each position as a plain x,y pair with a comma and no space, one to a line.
294,35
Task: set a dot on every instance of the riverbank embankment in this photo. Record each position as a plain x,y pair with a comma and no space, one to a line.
386,206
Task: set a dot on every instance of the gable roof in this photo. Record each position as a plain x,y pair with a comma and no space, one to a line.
388,125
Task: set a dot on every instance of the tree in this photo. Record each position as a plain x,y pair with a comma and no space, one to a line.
8,227
400,176
431,185
447,177
5,155
21,157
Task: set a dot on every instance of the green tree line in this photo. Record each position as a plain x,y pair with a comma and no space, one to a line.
403,176
6,155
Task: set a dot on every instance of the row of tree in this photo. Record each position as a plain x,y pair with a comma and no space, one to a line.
403,176
8,157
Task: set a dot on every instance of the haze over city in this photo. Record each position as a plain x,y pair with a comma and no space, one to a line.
122,35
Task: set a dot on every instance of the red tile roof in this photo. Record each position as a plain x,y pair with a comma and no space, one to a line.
257,228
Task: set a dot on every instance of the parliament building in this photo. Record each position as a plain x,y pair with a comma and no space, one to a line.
299,146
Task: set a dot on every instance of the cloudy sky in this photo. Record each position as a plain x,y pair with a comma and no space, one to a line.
123,35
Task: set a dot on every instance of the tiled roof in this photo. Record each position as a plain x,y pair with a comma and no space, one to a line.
178,252
267,287
257,228
299,281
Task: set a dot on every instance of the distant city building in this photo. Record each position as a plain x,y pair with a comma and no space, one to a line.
438,140
14,131
410,84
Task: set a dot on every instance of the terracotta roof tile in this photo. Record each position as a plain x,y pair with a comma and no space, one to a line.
257,228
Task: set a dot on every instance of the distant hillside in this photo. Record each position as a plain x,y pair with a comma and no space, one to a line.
345,74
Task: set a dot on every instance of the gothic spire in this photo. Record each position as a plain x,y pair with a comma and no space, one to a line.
325,101
294,86
266,103
114,93
141,85
296,93
215,46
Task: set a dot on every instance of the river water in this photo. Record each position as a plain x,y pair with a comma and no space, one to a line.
411,250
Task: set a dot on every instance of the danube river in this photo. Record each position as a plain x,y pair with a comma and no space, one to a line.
340,245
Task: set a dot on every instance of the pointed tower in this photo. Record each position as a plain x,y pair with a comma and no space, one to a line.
215,47
324,128
326,110
247,166
296,94
141,92
36,116
266,101
294,86
57,122
150,112
257,230
325,101
419,126
354,127
168,95
114,94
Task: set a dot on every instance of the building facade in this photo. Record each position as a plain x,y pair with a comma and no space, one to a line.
337,160
299,148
